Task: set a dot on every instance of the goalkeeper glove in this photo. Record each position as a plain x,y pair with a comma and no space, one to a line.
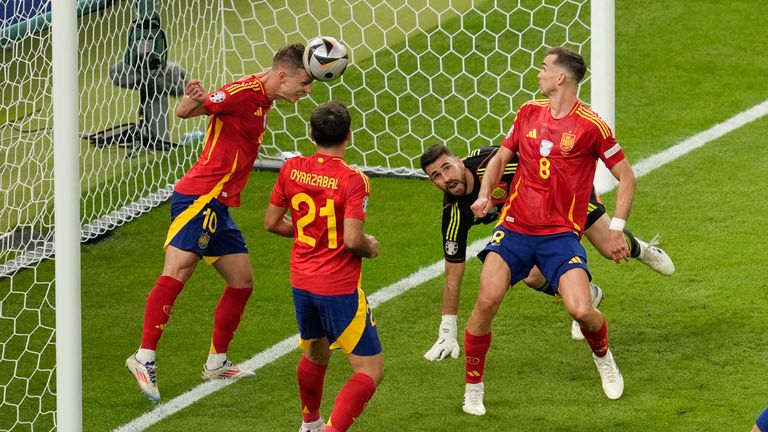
446,344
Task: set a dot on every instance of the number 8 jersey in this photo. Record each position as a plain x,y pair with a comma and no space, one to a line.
320,192
551,188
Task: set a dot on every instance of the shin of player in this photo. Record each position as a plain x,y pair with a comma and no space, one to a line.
328,200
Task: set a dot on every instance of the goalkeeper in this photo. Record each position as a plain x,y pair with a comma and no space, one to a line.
460,182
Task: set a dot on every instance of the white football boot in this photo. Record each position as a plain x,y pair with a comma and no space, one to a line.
655,257
146,376
225,371
610,375
316,426
473,399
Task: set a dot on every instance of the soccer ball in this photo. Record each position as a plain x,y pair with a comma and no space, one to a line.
325,58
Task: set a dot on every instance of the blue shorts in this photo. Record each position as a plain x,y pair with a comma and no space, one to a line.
346,320
203,227
553,254
762,421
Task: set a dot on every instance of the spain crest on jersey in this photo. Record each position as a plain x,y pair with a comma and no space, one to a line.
202,242
567,142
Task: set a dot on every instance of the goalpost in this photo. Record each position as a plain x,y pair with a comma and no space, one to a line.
421,72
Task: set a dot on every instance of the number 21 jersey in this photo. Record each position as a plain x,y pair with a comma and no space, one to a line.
321,191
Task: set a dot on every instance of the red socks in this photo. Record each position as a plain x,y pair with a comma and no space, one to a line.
598,340
475,349
227,316
351,402
158,310
311,379
160,302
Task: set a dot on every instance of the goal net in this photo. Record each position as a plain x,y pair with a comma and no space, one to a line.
421,72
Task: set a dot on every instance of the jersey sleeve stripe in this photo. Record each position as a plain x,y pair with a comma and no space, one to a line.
239,87
537,102
605,131
181,220
366,180
453,225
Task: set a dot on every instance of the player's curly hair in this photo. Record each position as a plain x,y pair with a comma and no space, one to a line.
290,57
431,154
330,124
572,61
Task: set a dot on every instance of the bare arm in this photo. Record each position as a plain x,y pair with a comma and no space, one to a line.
357,241
277,221
192,104
493,173
625,194
454,273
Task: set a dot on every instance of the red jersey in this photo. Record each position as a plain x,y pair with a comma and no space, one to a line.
321,191
558,157
238,119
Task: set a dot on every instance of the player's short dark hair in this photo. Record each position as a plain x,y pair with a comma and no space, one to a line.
330,124
289,57
431,154
572,61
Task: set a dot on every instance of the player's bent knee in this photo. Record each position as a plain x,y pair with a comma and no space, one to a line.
584,314
372,366
487,307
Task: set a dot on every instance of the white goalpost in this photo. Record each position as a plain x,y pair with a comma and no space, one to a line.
66,163
603,71
89,141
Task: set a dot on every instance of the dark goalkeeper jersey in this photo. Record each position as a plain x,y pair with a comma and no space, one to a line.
457,214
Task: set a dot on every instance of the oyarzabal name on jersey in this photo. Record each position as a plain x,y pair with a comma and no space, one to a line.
314,179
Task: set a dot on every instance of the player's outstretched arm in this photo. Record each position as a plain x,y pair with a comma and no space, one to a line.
493,173
447,343
192,105
625,194
357,241
275,221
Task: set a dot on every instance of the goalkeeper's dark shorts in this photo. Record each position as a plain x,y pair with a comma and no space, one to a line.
203,226
595,209
346,320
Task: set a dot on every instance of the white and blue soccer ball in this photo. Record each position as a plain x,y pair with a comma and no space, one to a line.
325,58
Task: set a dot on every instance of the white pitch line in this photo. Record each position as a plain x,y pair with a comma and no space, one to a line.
645,166
428,273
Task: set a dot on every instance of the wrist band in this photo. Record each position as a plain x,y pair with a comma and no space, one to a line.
617,224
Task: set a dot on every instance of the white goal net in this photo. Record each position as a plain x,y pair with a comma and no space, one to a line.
421,72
